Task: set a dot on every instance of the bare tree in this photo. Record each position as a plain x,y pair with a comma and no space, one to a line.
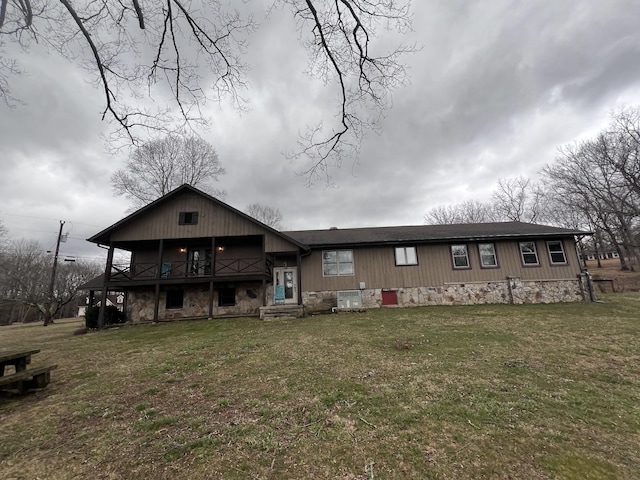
584,178
135,47
624,133
25,273
4,236
470,211
163,164
266,214
519,200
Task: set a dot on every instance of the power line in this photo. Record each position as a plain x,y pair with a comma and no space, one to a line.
46,218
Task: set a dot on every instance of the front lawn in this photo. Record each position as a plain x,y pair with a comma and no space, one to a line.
495,392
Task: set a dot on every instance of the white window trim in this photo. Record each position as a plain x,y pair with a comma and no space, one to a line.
564,254
495,255
353,267
466,255
535,252
402,262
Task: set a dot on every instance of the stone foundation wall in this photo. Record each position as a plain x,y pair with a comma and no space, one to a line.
140,303
513,290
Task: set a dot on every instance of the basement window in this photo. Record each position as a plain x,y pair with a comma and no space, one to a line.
175,299
188,218
227,297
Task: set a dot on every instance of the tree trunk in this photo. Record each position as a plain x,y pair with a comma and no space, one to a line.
49,309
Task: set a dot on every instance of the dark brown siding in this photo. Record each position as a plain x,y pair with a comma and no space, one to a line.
376,267
213,221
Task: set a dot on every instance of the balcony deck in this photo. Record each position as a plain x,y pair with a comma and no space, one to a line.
168,272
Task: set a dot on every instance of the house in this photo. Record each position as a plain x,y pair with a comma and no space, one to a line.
113,299
591,254
193,256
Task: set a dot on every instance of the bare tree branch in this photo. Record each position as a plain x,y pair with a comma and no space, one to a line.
165,163
134,47
266,214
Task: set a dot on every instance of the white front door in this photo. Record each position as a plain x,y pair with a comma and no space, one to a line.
288,278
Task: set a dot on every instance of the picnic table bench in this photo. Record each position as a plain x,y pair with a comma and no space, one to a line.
23,379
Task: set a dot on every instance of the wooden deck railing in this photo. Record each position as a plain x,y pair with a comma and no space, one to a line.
223,268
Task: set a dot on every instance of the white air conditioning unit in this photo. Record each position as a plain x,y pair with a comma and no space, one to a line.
349,299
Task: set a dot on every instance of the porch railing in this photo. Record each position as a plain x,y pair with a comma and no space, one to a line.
222,268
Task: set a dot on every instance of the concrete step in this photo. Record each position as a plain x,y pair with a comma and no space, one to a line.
281,311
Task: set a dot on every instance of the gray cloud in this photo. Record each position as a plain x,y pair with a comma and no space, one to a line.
495,88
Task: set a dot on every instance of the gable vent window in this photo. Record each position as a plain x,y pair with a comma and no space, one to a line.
188,218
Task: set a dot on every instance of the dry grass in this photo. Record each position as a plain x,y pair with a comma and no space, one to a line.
535,392
621,280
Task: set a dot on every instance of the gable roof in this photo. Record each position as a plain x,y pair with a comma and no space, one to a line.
429,234
103,237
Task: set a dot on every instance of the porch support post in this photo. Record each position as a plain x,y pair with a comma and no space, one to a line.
213,274
211,299
213,256
264,266
91,296
106,278
264,292
156,304
160,249
299,271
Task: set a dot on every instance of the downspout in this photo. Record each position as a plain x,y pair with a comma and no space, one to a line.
299,260
264,280
105,280
585,275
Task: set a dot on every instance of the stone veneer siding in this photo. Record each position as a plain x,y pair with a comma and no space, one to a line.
513,290
140,303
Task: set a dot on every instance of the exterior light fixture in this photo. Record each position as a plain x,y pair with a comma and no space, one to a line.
183,250
220,248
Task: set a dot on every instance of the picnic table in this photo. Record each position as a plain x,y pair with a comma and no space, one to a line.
22,379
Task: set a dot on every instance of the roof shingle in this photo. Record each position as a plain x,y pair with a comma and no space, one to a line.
428,233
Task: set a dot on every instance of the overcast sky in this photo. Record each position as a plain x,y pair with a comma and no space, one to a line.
496,87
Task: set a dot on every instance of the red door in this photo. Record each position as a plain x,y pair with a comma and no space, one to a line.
389,297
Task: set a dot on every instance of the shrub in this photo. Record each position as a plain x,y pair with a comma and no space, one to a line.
112,316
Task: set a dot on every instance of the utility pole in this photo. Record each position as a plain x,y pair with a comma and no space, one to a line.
47,313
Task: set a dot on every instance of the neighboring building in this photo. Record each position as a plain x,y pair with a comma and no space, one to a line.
193,256
605,255
113,299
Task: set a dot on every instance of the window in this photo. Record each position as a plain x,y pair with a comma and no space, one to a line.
529,253
487,253
556,252
188,218
460,256
175,299
406,256
227,297
337,262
